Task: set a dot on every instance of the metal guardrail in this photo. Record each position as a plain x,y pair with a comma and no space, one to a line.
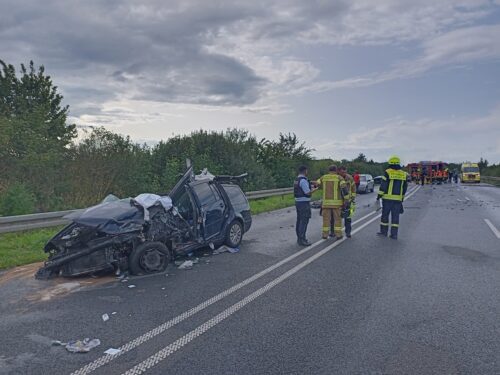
491,180
52,219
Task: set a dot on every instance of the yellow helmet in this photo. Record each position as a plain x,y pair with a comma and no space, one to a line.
394,160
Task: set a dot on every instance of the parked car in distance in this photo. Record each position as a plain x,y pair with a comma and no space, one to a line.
377,180
366,183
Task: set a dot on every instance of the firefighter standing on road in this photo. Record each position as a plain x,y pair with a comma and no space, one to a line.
334,193
302,191
392,191
351,196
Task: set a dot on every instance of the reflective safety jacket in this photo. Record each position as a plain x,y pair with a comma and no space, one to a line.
334,190
394,184
351,187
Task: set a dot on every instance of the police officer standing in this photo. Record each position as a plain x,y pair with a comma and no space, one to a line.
334,198
392,191
350,207
302,191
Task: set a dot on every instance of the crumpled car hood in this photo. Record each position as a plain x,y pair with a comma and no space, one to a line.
115,217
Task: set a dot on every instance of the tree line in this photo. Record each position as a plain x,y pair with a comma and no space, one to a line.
44,166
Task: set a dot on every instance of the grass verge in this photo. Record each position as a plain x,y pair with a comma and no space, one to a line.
20,248
259,206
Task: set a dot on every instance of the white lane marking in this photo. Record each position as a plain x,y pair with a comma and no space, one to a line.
101,361
198,331
495,231
172,322
176,345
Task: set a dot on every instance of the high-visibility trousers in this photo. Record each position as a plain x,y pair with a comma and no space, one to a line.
332,218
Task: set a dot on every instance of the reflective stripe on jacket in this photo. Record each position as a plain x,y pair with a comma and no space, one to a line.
394,185
334,190
351,187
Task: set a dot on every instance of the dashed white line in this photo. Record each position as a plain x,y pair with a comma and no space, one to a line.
495,231
198,331
101,361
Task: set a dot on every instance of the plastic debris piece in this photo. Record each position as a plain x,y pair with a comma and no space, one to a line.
131,286
233,250
113,313
211,245
163,288
82,346
105,317
187,265
112,351
58,343
220,250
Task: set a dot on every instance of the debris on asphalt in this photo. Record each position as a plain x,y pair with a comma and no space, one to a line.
58,343
113,313
112,351
196,260
105,317
186,265
131,286
211,245
82,346
226,249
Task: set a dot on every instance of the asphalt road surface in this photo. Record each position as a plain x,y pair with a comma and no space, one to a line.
428,303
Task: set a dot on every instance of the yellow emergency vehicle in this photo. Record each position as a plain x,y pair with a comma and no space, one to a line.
470,173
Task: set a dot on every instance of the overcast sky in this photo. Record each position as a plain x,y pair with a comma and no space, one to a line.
419,78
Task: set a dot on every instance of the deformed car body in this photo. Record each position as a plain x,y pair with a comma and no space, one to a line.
141,237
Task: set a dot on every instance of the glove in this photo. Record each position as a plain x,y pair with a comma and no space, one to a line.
401,210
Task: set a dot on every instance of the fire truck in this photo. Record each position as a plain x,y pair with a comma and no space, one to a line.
433,172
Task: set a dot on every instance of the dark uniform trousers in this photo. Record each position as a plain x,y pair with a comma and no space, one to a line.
390,208
303,216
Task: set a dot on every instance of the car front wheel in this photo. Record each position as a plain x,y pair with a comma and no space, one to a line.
149,257
234,234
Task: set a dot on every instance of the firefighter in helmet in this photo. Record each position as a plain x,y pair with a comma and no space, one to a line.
335,197
392,192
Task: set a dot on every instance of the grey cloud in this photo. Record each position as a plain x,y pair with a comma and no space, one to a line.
193,51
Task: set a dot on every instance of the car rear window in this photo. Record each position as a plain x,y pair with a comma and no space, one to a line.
237,197
362,178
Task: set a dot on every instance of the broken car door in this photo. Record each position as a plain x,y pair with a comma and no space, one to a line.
212,208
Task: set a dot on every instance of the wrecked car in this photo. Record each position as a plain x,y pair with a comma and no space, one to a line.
143,235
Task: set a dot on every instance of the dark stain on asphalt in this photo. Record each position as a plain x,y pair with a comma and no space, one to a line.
465,253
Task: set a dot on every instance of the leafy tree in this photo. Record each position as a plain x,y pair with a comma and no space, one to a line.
483,164
17,200
35,136
360,158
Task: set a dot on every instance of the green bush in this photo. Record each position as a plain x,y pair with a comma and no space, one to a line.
17,200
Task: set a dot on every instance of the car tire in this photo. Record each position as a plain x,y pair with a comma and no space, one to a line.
148,258
234,234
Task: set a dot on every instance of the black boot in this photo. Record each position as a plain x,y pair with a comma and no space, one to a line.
394,233
383,231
